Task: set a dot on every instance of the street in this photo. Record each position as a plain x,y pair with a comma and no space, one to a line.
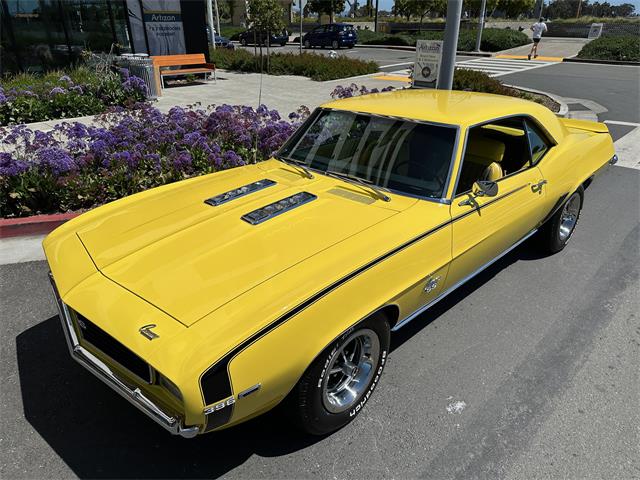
543,351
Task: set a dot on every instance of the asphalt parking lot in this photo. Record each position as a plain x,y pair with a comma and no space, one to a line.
543,351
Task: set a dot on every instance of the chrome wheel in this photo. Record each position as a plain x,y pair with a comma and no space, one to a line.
350,370
569,217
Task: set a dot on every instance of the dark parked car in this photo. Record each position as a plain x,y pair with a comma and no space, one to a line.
335,36
249,37
221,42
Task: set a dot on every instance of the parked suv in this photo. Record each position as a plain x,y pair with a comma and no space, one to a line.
248,37
335,36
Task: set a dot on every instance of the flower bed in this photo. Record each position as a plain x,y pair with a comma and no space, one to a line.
28,98
316,67
75,167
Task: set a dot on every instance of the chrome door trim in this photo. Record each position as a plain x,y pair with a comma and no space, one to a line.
413,315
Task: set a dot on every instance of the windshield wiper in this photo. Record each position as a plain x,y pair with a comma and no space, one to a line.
295,163
360,181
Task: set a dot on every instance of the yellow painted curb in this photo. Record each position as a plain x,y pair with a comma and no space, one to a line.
392,78
524,57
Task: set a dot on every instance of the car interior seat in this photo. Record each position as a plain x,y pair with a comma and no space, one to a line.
482,161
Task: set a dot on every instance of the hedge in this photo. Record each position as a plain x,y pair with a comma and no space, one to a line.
316,67
493,39
613,48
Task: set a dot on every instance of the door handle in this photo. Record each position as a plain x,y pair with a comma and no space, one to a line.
537,187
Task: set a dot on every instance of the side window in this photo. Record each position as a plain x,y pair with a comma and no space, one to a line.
537,143
493,151
318,29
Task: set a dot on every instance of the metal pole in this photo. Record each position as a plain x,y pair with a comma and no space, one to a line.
483,7
375,22
537,12
215,4
301,10
451,30
212,30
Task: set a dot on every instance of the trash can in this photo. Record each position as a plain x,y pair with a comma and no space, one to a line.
140,65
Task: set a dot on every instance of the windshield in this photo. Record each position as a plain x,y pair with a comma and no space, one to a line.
401,155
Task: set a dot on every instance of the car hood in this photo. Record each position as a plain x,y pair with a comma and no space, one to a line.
189,258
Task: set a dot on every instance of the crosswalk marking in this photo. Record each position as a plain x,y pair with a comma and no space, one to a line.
494,67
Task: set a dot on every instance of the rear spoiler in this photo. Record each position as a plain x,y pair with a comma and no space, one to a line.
587,125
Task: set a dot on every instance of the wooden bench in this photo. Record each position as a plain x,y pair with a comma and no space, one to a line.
189,64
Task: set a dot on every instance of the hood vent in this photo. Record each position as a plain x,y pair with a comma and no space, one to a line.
239,192
274,209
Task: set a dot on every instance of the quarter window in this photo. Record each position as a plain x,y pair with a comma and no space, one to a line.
537,144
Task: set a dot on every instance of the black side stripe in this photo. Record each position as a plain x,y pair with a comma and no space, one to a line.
216,383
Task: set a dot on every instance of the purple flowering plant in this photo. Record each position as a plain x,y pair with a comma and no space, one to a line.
76,167
28,98
353,90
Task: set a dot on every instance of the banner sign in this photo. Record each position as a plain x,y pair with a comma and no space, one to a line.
427,63
163,23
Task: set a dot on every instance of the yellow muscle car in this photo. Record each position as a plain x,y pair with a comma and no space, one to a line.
209,301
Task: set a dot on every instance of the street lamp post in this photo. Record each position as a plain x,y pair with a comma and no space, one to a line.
483,7
451,30
212,30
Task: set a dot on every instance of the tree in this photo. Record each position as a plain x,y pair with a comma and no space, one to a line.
402,8
472,7
422,8
328,7
266,16
513,8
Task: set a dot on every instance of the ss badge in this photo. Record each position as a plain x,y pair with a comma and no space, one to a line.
432,283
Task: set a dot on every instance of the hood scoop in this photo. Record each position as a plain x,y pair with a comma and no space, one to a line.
239,192
274,209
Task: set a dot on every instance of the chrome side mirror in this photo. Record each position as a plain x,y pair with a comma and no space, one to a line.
485,188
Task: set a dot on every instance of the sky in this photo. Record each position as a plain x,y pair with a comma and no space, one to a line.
387,4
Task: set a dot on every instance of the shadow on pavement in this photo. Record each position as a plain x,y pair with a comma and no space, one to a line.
527,251
99,435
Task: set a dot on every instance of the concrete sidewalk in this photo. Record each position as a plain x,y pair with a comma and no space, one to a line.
285,93
550,47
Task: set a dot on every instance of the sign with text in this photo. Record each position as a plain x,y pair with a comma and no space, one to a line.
163,23
595,30
427,63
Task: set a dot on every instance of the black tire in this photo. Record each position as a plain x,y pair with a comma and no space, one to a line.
282,44
308,402
335,45
243,42
351,46
557,231
307,44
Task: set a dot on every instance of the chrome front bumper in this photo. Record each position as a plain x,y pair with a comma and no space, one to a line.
104,373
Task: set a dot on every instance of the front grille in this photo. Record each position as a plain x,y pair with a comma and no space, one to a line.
108,345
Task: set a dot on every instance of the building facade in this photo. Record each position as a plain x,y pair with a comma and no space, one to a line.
40,35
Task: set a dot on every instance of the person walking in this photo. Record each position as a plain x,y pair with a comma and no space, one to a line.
538,28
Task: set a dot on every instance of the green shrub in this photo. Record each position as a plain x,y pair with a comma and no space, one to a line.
475,81
613,48
316,67
493,39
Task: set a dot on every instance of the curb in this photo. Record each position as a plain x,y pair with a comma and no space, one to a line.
35,225
564,108
602,62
